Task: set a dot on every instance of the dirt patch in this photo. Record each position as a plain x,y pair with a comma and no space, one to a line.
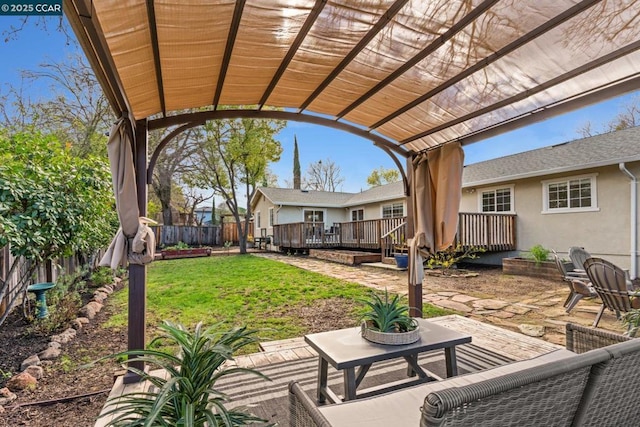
63,378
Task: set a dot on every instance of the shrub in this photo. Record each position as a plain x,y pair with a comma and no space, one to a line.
451,256
539,254
102,276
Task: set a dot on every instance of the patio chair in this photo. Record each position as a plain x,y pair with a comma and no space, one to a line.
610,282
578,282
578,256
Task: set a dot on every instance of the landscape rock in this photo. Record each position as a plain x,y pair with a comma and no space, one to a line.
65,336
2,410
95,305
106,289
54,344
453,305
100,297
49,354
532,330
76,324
490,304
30,361
83,320
22,381
6,397
88,311
35,371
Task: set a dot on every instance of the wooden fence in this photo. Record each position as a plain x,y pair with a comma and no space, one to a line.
44,273
169,235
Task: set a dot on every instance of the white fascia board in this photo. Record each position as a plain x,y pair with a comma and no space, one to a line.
534,174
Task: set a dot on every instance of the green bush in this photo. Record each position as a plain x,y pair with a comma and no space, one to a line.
539,254
102,276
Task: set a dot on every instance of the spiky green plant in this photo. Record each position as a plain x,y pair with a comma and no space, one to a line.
387,315
631,320
186,395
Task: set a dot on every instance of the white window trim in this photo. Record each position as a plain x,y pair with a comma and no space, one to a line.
356,209
271,218
511,188
404,209
594,194
324,213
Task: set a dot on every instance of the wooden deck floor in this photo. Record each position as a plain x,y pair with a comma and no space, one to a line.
511,345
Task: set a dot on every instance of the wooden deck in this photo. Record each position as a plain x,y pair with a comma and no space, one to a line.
491,232
510,345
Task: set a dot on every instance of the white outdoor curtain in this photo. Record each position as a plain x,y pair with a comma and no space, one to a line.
134,241
435,191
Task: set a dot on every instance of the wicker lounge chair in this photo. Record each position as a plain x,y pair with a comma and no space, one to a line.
562,388
578,282
612,285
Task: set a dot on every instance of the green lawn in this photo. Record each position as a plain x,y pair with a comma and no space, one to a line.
240,290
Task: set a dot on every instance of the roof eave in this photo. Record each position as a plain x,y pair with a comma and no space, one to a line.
573,168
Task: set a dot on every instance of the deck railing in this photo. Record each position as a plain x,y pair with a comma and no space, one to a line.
492,232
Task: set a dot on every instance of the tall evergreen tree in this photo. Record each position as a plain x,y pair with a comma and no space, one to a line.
296,164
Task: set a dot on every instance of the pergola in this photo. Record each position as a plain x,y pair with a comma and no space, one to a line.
416,77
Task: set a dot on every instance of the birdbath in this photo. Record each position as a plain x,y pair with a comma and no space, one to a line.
39,290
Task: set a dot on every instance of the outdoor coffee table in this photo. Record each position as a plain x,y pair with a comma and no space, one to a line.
346,350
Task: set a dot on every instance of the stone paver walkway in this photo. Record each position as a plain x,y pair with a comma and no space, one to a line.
550,314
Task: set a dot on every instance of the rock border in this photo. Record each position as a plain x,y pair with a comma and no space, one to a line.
31,369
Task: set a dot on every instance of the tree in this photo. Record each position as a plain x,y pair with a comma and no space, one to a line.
628,117
383,176
296,164
323,176
75,111
170,166
232,160
52,204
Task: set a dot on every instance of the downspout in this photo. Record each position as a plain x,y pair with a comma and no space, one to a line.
633,271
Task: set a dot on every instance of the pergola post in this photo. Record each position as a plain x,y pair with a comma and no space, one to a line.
138,273
414,291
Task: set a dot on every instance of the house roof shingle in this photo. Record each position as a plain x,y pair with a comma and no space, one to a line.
289,196
600,150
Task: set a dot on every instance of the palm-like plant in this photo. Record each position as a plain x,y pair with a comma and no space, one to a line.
387,315
185,396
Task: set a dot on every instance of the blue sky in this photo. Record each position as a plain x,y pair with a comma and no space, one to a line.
355,156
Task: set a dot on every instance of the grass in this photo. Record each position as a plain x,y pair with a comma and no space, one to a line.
240,290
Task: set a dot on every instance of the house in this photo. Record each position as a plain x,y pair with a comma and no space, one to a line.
578,193
273,206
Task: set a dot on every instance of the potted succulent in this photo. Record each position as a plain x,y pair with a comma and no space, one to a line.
387,321
184,393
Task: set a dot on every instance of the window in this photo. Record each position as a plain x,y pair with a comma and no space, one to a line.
570,194
313,216
496,200
270,217
357,215
394,210
258,219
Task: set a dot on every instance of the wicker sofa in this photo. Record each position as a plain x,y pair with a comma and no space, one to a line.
594,382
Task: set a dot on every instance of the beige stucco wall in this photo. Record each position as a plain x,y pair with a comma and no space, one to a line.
604,232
